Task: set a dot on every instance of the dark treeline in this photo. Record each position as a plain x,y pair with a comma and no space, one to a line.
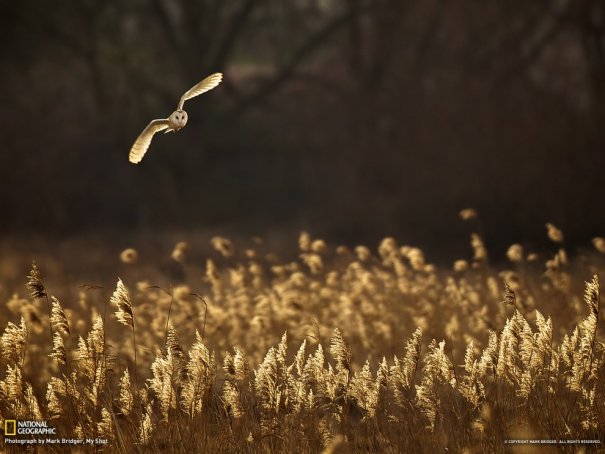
354,118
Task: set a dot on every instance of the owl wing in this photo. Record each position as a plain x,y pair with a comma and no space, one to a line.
140,146
207,84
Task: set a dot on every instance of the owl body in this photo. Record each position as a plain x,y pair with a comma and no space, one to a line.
176,121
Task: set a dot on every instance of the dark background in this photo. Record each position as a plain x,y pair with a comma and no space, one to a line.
355,119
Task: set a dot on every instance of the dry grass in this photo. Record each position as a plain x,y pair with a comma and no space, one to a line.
339,351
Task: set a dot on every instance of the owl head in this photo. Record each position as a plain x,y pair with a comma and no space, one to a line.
177,119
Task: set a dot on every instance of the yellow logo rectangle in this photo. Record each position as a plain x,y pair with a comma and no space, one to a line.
10,427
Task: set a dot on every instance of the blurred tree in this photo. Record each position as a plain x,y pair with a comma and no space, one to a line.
358,115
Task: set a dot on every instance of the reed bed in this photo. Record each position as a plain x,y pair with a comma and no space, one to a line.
341,350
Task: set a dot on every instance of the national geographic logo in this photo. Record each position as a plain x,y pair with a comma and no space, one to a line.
10,427
13,427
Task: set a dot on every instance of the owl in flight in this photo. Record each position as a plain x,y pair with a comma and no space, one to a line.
176,120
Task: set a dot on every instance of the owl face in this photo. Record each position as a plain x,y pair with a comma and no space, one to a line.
177,119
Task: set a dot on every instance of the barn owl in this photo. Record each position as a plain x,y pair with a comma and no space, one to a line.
177,119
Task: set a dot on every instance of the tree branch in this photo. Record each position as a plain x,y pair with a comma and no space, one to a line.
302,53
167,24
534,51
234,29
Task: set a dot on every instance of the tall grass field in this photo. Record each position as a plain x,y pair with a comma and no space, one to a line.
336,350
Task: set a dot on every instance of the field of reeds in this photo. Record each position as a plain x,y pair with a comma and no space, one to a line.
342,349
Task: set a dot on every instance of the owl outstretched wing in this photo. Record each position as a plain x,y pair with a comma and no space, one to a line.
140,146
205,85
